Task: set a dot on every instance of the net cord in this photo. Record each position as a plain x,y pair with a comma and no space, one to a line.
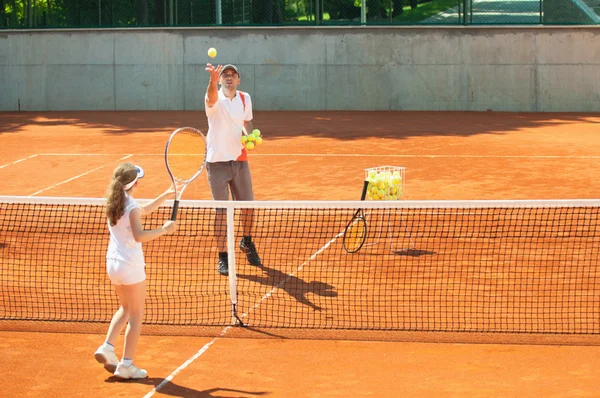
325,204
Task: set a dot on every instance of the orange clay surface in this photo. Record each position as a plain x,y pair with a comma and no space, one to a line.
309,156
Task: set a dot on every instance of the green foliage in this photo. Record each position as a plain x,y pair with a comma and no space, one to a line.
26,14
425,10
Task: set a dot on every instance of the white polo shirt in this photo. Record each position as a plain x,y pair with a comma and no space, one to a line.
225,121
122,246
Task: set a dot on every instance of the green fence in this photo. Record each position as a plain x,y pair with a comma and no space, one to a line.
30,14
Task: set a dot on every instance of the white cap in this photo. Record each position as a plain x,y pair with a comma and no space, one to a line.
140,174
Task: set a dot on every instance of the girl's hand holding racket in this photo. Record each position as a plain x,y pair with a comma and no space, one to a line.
170,226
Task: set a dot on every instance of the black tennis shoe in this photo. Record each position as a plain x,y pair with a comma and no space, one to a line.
251,254
223,266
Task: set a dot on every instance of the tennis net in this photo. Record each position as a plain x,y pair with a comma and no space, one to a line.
466,266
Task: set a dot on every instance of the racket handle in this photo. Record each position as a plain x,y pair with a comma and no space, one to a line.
364,191
174,212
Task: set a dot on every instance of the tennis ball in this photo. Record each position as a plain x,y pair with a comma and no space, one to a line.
244,139
256,132
249,145
258,140
212,52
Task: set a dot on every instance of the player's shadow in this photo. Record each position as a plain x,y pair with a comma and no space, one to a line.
176,390
292,285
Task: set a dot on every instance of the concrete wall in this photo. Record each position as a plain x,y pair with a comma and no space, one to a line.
416,68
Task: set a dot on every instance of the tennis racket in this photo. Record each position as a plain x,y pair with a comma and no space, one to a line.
185,157
355,233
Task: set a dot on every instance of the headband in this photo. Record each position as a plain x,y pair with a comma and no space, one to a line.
140,174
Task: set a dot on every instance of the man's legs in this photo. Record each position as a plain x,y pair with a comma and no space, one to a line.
219,177
241,189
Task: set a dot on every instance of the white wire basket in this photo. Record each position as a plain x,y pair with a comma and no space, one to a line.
385,182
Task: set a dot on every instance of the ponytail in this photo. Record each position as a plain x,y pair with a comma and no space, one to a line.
115,195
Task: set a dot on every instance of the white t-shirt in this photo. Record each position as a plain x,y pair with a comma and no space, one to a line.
225,121
122,246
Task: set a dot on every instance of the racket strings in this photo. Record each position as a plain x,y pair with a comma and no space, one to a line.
355,235
186,153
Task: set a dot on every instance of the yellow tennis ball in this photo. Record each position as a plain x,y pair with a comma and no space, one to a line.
251,137
212,52
249,145
256,132
258,140
244,139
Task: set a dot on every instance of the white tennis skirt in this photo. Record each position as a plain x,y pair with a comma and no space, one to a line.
122,273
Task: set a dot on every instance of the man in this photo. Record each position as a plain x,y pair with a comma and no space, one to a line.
228,111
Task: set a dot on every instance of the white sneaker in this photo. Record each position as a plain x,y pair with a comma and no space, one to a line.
107,357
132,372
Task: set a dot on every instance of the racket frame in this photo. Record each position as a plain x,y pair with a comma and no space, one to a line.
359,217
175,179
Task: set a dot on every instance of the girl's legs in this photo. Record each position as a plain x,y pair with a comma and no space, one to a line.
117,323
105,354
132,304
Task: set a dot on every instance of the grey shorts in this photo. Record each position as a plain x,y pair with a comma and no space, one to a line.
234,176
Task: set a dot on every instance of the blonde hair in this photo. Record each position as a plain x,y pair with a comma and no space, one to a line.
122,175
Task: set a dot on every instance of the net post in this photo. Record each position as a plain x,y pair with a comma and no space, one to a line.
235,319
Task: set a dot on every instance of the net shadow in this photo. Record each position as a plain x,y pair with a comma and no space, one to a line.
258,331
413,252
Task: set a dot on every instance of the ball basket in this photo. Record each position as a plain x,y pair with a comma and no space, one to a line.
385,182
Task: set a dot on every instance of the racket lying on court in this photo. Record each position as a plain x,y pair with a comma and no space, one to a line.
355,233
185,157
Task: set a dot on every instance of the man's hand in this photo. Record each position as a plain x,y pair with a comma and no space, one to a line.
215,72
212,91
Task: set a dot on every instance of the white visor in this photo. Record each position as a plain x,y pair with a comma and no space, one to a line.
140,174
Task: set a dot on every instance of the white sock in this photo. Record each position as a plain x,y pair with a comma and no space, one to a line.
127,362
108,346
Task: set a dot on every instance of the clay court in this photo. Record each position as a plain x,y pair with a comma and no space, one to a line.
448,156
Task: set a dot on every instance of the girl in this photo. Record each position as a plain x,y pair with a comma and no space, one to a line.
125,266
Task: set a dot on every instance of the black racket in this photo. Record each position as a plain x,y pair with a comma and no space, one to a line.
355,233
185,157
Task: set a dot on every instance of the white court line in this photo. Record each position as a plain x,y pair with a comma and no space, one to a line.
245,314
18,161
77,154
77,176
186,363
356,155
